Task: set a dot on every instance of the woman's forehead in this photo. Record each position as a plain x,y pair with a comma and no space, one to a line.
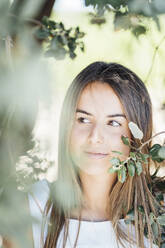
99,96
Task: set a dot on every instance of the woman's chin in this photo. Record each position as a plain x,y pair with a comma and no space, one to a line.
95,169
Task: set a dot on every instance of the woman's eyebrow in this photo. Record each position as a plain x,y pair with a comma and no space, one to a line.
85,112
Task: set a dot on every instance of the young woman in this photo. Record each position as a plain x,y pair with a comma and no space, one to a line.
87,205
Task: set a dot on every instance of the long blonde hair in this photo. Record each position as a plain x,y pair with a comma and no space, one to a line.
66,192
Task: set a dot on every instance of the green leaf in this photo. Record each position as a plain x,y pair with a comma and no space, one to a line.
140,7
162,245
131,168
61,25
155,229
117,152
130,214
121,21
133,156
115,161
154,150
82,47
42,34
64,40
136,132
58,54
152,218
127,221
72,55
52,24
129,217
138,30
116,164
122,174
144,157
111,170
141,209
80,35
55,43
139,167
159,197
45,20
159,6
161,220
125,140
161,152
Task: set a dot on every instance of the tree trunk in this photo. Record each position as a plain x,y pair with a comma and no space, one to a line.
16,9
44,10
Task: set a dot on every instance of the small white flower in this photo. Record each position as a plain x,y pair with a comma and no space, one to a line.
41,176
44,165
51,174
41,155
26,170
35,176
20,188
21,167
37,165
117,167
25,160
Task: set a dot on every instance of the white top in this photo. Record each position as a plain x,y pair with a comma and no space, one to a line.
92,234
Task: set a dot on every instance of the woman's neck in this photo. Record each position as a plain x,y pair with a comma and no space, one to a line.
96,189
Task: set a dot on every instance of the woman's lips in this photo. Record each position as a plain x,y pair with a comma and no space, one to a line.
96,155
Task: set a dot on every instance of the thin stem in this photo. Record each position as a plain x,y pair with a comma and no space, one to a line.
153,58
140,148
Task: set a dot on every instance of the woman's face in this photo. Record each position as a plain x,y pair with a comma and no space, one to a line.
98,126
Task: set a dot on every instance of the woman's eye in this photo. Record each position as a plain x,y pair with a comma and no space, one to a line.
114,123
83,120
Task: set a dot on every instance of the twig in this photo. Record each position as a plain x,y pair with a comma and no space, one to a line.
139,149
153,59
34,21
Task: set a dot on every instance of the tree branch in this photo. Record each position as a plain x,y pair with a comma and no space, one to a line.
153,59
44,10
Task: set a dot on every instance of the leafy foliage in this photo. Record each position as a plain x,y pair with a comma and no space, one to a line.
60,41
128,14
157,153
134,165
24,82
32,167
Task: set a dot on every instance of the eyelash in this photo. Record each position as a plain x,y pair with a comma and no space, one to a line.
82,118
116,122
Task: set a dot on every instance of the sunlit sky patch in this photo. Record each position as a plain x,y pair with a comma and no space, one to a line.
70,5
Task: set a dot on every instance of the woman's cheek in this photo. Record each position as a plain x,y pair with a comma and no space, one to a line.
78,135
116,143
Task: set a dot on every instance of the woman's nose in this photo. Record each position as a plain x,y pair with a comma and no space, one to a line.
96,135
